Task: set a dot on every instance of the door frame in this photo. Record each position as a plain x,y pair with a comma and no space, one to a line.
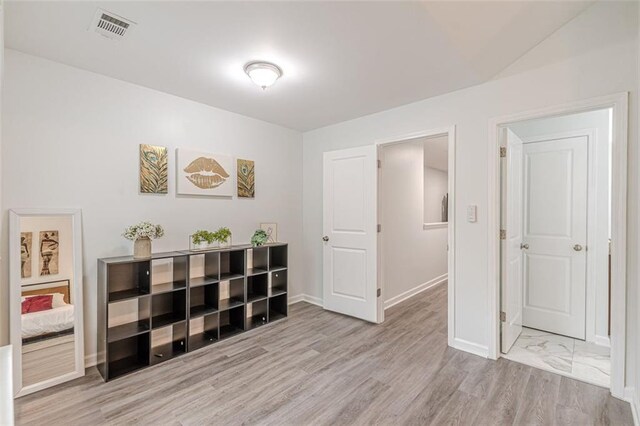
619,103
450,131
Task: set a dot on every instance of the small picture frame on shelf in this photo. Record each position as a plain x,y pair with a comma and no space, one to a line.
272,231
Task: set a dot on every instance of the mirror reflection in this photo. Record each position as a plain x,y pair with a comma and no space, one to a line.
47,304
436,179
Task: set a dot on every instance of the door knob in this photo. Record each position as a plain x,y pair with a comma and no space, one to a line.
577,247
524,246
325,238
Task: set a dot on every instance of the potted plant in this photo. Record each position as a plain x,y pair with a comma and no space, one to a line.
259,238
201,240
223,236
141,235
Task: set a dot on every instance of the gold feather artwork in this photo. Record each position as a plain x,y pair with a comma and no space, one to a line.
154,173
246,179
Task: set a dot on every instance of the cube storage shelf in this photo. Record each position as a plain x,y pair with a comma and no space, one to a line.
144,319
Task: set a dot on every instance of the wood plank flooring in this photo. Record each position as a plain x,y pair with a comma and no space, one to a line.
321,368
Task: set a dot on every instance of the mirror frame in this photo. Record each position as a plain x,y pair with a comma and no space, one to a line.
15,293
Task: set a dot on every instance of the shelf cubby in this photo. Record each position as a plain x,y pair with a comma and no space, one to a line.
204,269
257,287
128,355
128,280
168,342
257,314
278,257
232,264
231,322
128,318
231,294
278,308
169,274
203,300
259,261
278,283
203,331
168,308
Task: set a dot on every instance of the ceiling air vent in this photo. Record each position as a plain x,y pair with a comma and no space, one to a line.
111,25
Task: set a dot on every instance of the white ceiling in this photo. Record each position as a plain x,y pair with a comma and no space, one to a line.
341,60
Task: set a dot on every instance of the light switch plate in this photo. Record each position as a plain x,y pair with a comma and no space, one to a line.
472,214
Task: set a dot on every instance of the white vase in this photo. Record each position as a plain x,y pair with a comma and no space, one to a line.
142,248
226,243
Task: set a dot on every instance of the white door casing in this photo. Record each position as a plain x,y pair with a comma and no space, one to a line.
511,251
555,230
350,232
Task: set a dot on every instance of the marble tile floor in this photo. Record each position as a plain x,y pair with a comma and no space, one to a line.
563,355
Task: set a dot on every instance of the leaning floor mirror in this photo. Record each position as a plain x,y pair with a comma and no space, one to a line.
45,273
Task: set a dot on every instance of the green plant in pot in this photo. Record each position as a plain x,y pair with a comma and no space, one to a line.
223,236
201,240
259,238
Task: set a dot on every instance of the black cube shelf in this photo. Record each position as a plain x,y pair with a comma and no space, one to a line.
153,310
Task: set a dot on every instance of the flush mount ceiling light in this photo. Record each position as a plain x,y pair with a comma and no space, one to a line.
264,74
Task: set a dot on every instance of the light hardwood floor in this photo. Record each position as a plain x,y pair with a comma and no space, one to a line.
321,368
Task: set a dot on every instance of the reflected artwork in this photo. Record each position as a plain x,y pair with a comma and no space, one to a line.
49,247
26,241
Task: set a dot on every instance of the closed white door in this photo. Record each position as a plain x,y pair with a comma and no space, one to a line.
511,249
350,179
555,235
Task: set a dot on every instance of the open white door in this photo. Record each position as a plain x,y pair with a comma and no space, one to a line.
555,233
511,249
350,232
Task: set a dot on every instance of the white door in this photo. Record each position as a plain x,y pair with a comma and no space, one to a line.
350,179
555,230
511,250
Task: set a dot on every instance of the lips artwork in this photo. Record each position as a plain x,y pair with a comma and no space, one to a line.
206,173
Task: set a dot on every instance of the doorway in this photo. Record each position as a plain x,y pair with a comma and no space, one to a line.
353,229
556,230
413,213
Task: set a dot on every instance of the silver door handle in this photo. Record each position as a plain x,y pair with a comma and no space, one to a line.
325,238
577,247
524,246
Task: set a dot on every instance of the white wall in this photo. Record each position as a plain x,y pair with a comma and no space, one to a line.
599,195
412,258
435,188
71,140
598,56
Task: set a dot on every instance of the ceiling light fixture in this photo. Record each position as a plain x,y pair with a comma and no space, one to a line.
264,74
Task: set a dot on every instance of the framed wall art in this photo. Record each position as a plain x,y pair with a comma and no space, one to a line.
154,172
246,179
200,173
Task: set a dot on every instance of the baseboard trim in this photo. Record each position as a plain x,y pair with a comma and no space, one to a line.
418,289
473,348
602,341
630,397
306,298
90,360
